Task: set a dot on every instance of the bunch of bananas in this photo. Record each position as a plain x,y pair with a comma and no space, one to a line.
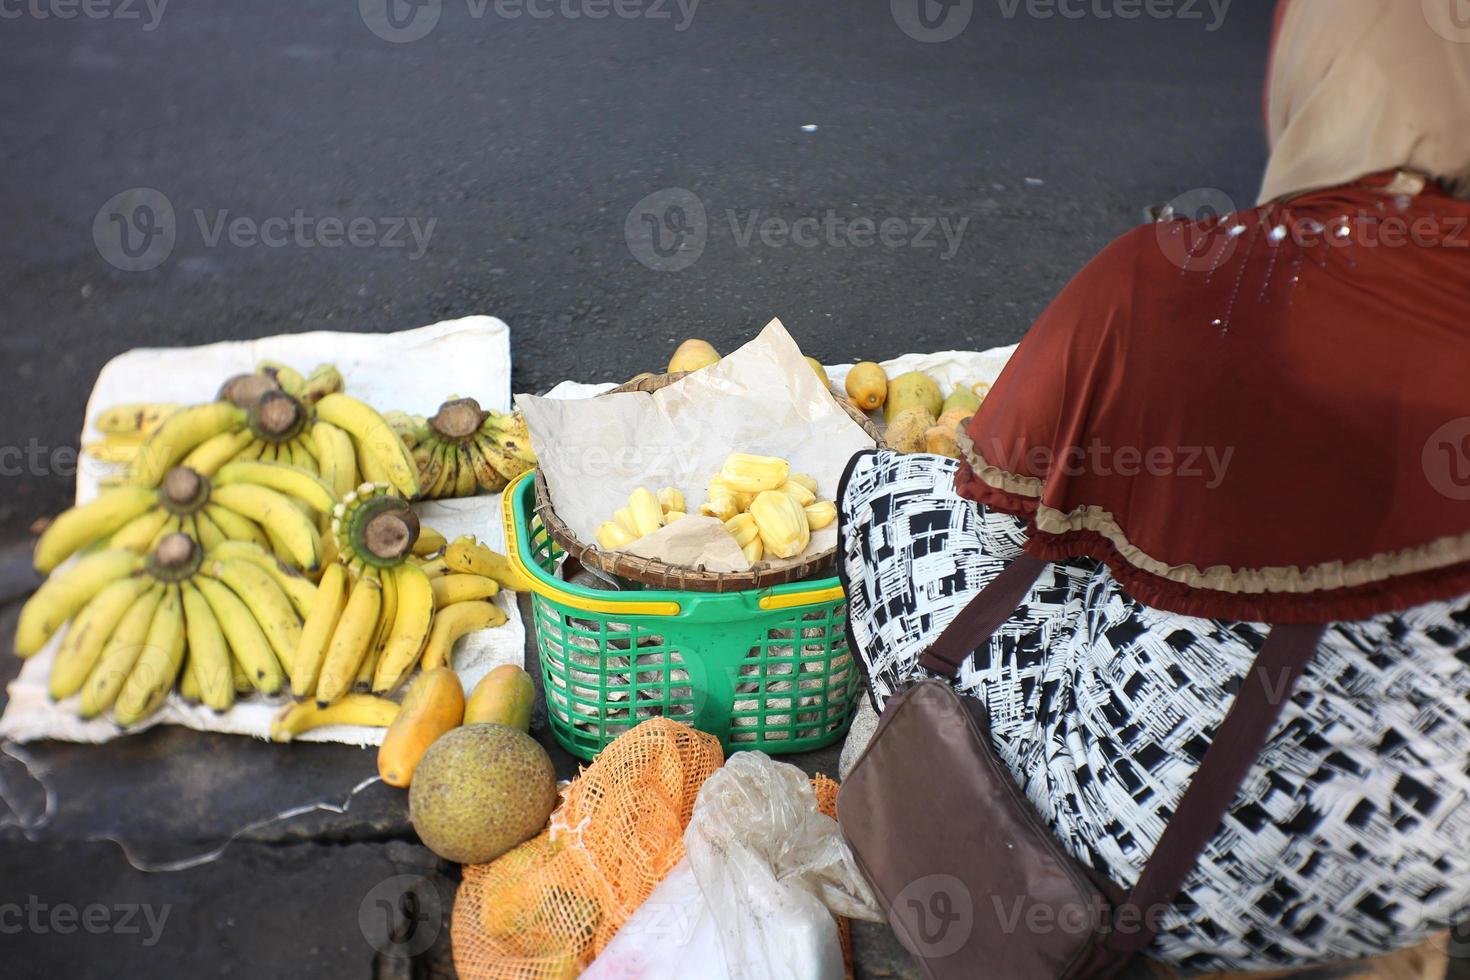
463,449
124,428
338,438
770,511
217,623
378,613
265,503
274,415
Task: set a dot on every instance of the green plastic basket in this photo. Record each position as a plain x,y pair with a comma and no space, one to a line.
764,669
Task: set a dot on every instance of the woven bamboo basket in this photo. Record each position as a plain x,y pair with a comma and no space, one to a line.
662,575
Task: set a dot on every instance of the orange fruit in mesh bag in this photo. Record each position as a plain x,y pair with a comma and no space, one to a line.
546,908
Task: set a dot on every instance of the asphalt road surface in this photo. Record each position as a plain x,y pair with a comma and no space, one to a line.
178,173
609,177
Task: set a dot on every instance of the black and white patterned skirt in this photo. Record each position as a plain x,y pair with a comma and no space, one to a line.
1351,836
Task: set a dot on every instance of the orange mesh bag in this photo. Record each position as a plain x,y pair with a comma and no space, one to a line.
546,909
826,789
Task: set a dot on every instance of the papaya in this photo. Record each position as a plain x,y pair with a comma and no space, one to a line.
433,705
912,390
505,696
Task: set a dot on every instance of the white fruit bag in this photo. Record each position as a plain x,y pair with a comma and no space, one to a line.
754,898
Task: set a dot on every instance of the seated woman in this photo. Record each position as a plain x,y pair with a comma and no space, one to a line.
1261,420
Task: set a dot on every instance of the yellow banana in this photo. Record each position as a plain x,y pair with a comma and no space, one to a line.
298,587
336,459
374,436
189,682
316,632
267,603
208,533
350,640
119,653
386,613
292,481
80,526
429,542
158,664
323,380
462,587
179,434
370,466
138,533
274,512
467,482
115,449
435,568
506,463
302,458
354,709
486,475
446,461
241,678
247,641
453,622
216,451
209,655
89,633
133,417
61,595
292,382
411,626
235,527
466,555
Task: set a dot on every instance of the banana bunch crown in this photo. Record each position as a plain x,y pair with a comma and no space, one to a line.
463,449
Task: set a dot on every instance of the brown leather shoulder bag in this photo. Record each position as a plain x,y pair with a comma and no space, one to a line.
974,884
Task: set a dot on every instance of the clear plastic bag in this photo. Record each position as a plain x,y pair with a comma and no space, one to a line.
755,896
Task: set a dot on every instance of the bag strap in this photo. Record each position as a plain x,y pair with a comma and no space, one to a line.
1236,745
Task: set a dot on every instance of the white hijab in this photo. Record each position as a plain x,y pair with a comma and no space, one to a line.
1362,86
